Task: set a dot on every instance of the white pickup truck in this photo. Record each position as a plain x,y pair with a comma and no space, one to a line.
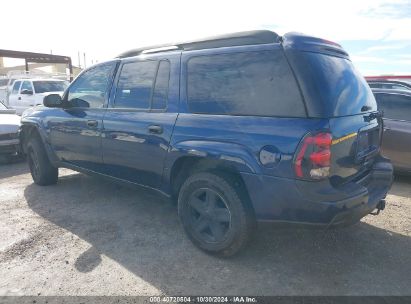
3,89
27,93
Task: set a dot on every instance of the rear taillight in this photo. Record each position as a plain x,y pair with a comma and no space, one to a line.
313,156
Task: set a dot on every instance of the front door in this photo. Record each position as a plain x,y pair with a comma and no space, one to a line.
139,121
75,129
27,99
397,128
14,99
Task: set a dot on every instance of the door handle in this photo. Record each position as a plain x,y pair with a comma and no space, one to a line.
92,123
155,129
387,129
19,98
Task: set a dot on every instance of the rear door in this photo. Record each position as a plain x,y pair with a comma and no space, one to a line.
75,130
396,144
139,121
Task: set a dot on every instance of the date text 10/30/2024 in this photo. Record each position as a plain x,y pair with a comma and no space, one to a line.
202,299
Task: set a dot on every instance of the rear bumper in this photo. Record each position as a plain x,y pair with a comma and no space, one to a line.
319,203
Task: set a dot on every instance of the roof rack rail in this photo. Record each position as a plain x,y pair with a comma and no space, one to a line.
233,39
160,49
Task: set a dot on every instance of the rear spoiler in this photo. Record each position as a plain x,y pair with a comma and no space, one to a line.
312,44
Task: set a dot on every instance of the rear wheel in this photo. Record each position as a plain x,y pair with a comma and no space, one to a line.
42,171
214,214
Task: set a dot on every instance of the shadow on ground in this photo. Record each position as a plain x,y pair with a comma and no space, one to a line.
141,232
14,167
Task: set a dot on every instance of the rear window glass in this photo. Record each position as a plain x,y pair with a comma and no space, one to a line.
44,86
249,83
331,85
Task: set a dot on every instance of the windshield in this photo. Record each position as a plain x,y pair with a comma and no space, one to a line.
3,82
331,85
44,86
11,81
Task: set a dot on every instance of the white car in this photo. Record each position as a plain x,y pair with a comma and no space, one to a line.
9,131
28,93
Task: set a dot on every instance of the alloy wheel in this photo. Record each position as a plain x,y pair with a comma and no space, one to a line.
210,216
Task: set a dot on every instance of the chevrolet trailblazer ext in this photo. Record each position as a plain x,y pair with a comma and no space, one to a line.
239,128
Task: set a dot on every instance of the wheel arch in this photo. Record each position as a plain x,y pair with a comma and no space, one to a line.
186,166
29,130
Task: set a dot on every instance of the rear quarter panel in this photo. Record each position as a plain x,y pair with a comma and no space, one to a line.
237,139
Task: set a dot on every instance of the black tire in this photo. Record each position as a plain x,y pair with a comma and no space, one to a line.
215,214
42,171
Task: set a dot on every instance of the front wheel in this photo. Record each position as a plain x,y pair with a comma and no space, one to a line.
215,214
42,171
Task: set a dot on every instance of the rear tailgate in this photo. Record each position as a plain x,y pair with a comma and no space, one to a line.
334,89
356,142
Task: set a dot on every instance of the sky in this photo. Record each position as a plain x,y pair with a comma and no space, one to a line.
376,33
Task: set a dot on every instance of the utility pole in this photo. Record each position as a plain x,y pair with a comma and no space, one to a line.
84,54
78,55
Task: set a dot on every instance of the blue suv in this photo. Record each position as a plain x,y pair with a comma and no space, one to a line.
240,128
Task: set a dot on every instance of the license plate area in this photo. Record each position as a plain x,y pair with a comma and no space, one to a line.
368,143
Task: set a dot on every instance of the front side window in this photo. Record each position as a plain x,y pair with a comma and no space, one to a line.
26,86
250,83
90,89
394,106
135,85
16,87
43,86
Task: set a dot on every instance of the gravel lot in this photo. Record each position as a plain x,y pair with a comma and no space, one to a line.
85,236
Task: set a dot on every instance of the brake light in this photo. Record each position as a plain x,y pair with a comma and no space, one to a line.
314,156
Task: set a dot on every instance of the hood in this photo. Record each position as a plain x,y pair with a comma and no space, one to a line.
9,123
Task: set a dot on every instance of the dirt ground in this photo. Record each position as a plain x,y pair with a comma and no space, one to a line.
85,236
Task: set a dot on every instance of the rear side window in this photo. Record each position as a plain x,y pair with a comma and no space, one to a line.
135,85
249,83
160,94
394,106
16,87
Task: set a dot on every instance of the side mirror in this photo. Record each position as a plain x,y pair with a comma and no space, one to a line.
52,101
26,92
